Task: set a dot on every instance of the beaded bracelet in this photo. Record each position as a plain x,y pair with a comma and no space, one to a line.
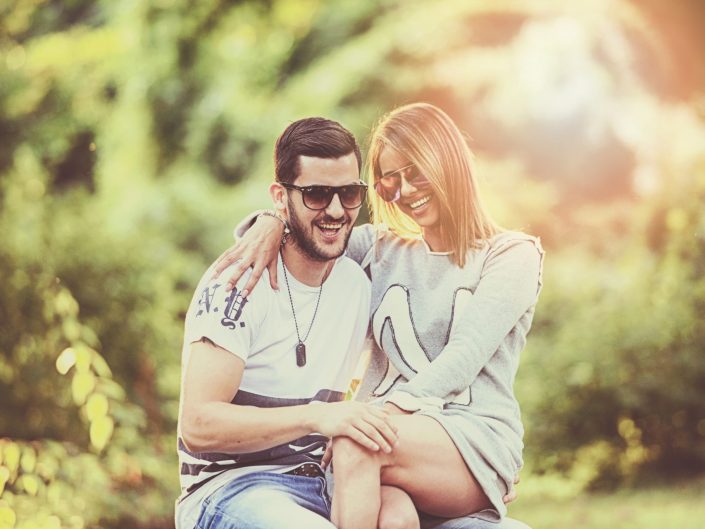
280,217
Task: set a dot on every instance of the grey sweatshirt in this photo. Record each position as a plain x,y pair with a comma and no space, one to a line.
447,341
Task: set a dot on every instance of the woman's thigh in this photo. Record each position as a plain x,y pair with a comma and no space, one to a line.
428,466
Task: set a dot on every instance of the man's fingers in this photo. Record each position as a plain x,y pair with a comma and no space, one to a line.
384,415
385,430
373,434
362,439
327,455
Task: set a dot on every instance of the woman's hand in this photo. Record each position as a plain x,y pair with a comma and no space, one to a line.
257,249
512,494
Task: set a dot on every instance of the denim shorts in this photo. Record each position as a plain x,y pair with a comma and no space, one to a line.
267,500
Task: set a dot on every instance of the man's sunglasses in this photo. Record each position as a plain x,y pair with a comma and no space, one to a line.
388,186
319,197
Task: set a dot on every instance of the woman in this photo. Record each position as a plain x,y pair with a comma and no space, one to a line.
453,298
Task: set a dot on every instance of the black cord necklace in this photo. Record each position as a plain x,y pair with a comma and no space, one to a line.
300,347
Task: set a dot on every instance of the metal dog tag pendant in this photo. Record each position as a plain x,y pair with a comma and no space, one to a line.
300,354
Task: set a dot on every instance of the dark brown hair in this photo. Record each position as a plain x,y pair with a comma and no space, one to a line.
316,137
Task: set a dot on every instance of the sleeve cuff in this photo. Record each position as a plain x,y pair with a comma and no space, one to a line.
245,224
408,402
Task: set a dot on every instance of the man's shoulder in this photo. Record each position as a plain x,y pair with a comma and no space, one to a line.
212,290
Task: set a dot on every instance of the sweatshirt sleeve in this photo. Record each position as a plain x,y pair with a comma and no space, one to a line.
245,224
509,286
362,239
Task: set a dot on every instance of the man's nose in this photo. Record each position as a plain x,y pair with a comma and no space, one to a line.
335,209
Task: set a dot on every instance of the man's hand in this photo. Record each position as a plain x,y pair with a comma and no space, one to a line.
365,424
257,249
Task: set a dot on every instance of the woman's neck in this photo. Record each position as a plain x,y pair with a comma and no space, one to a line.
434,240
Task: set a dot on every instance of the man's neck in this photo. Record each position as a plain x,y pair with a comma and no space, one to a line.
306,270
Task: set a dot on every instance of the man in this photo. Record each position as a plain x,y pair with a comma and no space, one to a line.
265,373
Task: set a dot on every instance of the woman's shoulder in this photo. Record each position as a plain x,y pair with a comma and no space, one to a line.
515,251
509,238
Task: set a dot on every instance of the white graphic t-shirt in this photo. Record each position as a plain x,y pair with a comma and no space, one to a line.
260,330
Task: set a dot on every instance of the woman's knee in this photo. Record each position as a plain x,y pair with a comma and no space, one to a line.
398,519
349,455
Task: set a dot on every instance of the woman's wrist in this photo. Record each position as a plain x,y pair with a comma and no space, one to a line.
275,214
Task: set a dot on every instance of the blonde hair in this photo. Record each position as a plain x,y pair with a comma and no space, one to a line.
428,138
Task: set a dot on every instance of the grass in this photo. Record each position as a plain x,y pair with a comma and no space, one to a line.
667,506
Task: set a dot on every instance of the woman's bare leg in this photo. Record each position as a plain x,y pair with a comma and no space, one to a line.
357,491
397,510
425,463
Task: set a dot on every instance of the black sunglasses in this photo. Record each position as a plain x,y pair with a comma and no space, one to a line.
319,197
388,186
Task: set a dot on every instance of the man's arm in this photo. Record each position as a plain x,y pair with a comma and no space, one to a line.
211,423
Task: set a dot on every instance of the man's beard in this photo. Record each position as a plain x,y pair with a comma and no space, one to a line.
305,241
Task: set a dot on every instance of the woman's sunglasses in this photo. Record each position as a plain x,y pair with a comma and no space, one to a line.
319,197
388,186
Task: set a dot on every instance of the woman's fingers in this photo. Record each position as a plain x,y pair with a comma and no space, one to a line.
239,267
226,258
272,267
257,270
510,496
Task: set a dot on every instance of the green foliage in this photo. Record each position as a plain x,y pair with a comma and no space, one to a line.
619,352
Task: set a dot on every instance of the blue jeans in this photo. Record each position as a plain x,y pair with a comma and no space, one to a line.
265,500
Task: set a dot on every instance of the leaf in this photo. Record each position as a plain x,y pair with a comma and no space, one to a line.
71,329
11,456
7,517
111,389
29,459
65,360
83,358
30,483
4,478
81,386
101,366
101,431
97,406
65,304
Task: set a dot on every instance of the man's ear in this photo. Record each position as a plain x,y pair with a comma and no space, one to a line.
278,194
